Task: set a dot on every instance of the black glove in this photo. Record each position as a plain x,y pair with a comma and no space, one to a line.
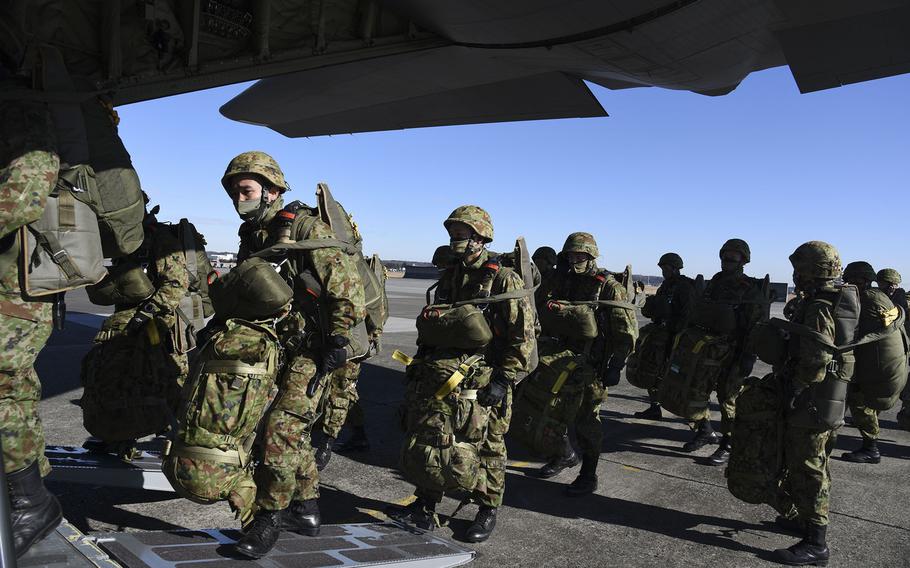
335,354
143,315
613,373
746,363
494,393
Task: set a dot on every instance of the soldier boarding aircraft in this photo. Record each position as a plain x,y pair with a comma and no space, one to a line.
345,66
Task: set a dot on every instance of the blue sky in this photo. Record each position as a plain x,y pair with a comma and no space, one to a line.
667,171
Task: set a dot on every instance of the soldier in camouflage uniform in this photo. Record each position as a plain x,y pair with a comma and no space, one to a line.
476,273
544,259
862,275
287,478
888,280
750,306
29,162
577,278
803,496
671,306
162,257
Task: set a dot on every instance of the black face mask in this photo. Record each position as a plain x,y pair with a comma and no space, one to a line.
731,266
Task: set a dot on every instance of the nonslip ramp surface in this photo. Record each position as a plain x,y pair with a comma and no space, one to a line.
350,545
78,465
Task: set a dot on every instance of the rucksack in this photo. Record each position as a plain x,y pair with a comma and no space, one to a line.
130,382
228,393
697,361
756,459
547,401
647,364
195,305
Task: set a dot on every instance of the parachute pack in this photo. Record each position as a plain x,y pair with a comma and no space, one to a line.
463,324
348,239
229,391
698,361
648,363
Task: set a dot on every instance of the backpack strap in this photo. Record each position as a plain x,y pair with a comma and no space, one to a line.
803,331
464,370
301,229
189,251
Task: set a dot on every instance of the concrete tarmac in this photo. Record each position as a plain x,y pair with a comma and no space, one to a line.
656,506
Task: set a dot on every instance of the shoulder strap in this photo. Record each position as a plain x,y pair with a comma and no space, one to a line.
189,250
303,226
803,331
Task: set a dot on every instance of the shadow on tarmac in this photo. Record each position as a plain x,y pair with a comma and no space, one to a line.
101,505
548,499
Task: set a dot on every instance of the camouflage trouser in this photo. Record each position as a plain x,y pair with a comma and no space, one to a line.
588,427
493,455
806,486
728,387
341,400
24,329
288,469
865,419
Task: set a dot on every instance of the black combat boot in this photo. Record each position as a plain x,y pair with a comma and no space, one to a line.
419,513
34,511
704,435
356,443
793,526
867,454
810,551
722,454
324,452
586,482
566,458
483,525
261,535
302,517
653,412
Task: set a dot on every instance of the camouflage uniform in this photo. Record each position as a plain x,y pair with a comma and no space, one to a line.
804,492
751,307
509,352
288,470
670,307
614,345
28,175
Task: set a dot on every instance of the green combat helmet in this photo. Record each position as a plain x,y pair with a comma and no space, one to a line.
888,276
545,256
581,242
258,163
474,217
816,259
671,259
738,245
859,270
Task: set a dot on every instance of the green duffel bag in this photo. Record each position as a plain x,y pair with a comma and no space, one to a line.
756,459
567,319
253,290
698,360
459,327
125,284
225,398
648,363
547,401
717,317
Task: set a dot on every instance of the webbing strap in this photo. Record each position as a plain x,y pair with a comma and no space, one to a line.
463,370
607,303
233,457
496,298
237,368
826,342
66,210
402,358
307,244
48,241
189,251
563,376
